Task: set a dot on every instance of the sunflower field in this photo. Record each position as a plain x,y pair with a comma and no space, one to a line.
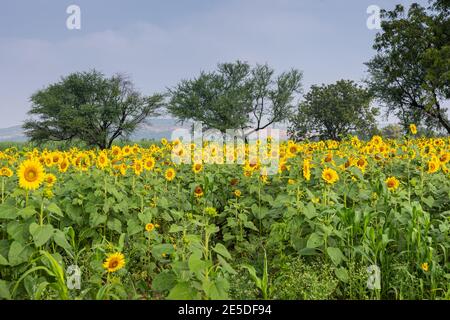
340,220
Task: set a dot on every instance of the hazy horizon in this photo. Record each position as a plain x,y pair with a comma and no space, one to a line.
158,44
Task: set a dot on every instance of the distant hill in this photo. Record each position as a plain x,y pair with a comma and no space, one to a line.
154,130
12,134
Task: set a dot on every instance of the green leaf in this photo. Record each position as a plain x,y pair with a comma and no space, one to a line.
17,231
253,275
428,201
4,290
250,225
220,249
342,274
115,225
216,289
196,264
307,252
310,211
165,280
41,234
314,241
3,261
61,240
121,242
175,228
133,227
53,208
27,212
182,291
146,216
336,255
96,219
163,203
18,253
226,266
7,212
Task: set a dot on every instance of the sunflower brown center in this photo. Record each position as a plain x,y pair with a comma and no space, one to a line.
30,175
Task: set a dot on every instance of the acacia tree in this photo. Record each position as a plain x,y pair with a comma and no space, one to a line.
333,111
272,97
220,100
236,96
410,74
89,107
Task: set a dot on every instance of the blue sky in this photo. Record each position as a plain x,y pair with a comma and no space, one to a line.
159,43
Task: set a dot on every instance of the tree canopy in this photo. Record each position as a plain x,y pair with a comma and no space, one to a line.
236,96
333,111
410,74
90,107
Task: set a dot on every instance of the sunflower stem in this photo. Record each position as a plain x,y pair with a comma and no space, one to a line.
3,190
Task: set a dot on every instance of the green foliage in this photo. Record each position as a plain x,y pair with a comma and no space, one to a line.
334,111
410,74
301,280
89,107
236,96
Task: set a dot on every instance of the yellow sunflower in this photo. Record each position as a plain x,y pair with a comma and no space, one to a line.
114,262
149,163
102,160
197,167
31,174
306,169
138,167
6,172
198,192
50,179
330,176
433,166
413,128
64,165
424,266
170,174
392,183
149,227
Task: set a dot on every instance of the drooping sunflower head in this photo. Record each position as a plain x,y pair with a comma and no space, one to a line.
6,172
138,167
330,176
392,183
433,166
31,174
198,191
170,174
306,169
114,262
445,157
424,266
63,165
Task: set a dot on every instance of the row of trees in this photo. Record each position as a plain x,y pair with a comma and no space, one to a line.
409,76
